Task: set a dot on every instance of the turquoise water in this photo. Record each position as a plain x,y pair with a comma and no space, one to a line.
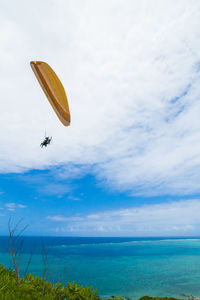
117,266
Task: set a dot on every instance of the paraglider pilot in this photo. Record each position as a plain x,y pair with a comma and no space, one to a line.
46,141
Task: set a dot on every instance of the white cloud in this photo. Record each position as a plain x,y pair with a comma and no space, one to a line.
56,218
13,206
173,218
64,219
131,72
54,189
21,206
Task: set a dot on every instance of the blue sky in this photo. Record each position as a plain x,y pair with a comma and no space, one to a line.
129,164
42,199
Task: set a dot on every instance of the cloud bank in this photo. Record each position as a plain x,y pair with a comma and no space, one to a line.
166,219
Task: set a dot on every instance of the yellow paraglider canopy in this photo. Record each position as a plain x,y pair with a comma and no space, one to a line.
53,89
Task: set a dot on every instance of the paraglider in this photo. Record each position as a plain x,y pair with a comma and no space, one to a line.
54,91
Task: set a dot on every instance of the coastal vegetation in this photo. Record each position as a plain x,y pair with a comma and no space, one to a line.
32,287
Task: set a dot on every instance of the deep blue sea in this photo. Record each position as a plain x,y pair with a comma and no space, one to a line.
130,267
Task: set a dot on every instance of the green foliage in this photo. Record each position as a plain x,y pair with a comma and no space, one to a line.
158,298
35,288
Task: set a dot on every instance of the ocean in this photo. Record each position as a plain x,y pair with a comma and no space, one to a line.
130,267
